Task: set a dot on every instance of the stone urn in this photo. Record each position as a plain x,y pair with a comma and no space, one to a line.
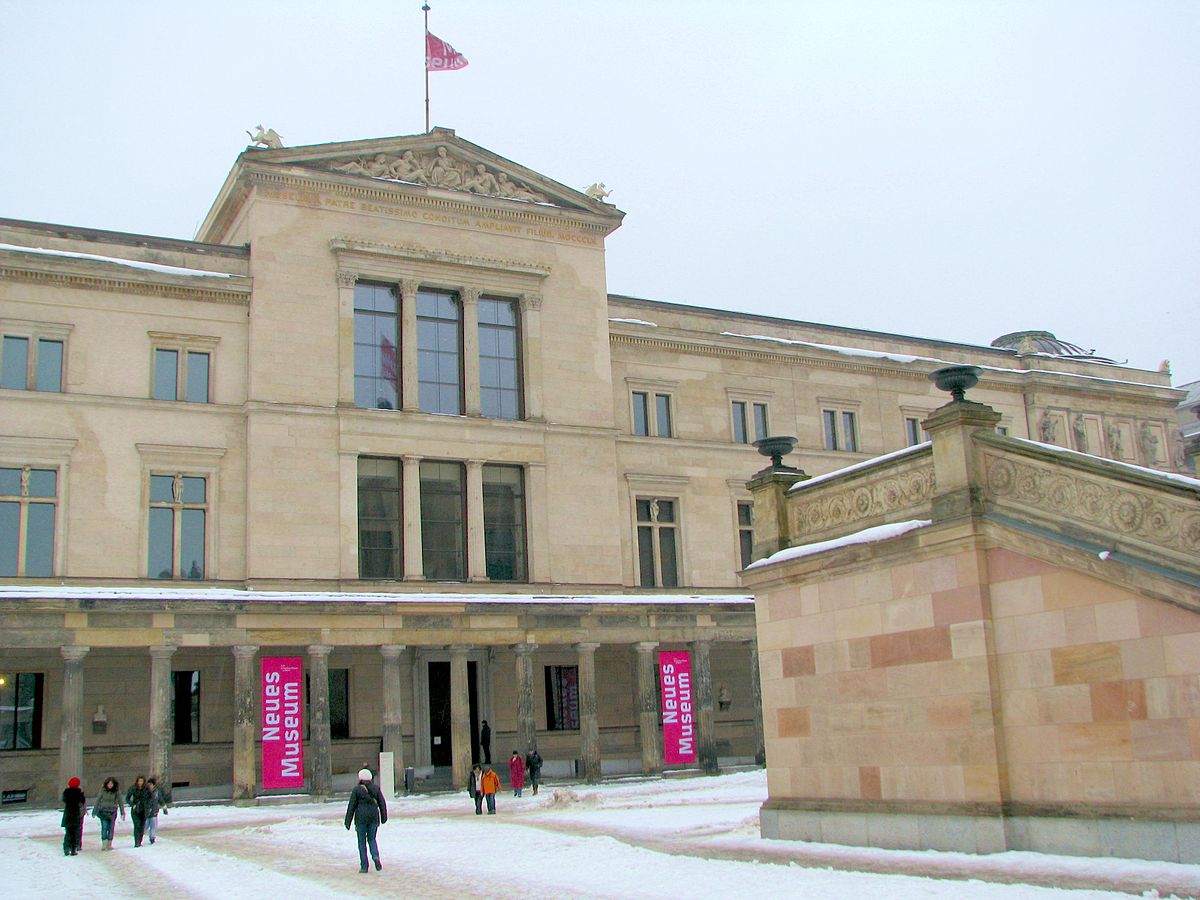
956,379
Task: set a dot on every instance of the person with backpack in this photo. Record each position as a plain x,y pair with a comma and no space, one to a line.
368,810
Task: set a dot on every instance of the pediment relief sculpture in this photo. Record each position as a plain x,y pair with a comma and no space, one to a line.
440,169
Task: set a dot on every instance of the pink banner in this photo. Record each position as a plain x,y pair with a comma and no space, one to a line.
679,730
282,722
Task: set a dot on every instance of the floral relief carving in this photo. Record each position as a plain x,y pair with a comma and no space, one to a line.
1121,510
828,511
439,168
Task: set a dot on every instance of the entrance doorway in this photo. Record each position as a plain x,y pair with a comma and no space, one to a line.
441,747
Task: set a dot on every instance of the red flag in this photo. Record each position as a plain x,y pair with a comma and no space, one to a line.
440,56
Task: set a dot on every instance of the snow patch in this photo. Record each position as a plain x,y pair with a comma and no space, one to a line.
866,536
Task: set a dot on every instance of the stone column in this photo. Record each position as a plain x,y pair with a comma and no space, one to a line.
470,345
702,706
345,335
410,399
460,715
531,355
161,730
320,759
649,733
70,744
526,723
414,561
589,726
476,550
393,718
756,707
245,722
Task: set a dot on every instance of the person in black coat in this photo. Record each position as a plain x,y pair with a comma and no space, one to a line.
533,768
139,801
368,810
485,741
74,808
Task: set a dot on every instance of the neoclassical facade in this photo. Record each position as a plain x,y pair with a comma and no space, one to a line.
383,415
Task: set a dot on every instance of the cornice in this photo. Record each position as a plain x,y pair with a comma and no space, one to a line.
238,294
361,246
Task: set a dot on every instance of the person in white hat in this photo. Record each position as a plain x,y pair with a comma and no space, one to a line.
368,810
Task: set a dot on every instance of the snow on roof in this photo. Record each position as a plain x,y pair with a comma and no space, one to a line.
635,322
132,263
1141,470
865,464
866,536
847,351
42,592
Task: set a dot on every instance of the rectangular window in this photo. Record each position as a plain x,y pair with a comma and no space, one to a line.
499,359
166,374
380,518
840,430
562,698
185,706
741,424
760,421
376,346
652,414
912,431
745,526
339,704
740,432
178,508
1001,429
197,378
180,375
443,521
641,414
504,522
32,361
658,564
439,352
662,414
28,508
20,710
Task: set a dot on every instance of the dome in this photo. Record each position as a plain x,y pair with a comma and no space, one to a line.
1026,342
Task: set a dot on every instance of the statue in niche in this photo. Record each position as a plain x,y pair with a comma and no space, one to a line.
1149,441
1079,430
597,191
1048,429
1113,432
269,138
482,182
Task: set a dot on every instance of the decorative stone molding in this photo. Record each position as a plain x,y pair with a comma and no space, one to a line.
841,510
440,168
346,278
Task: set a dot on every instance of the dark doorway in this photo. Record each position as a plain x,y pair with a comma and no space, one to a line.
441,748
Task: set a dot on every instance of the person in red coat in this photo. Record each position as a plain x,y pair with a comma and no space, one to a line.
516,773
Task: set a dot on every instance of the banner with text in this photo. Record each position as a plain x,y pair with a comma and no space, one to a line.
282,722
679,730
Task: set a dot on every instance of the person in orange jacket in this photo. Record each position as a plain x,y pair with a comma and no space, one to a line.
490,785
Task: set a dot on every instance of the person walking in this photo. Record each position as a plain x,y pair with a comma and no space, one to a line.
516,773
490,785
368,810
137,798
160,798
108,804
485,742
475,788
533,768
74,809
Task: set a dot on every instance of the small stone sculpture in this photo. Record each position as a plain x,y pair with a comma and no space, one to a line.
1113,432
439,169
1048,428
597,191
1080,432
1149,441
269,138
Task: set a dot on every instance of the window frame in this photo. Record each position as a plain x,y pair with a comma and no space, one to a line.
553,677
658,398
36,333
195,699
203,462
744,530
521,555
656,528
463,523
397,524
397,319
24,499
184,346
44,453
456,297
38,713
833,416
518,360
750,403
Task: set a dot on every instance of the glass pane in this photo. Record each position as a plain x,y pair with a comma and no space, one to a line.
10,482
641,414
28,714
643,510
43,483
162,488
829,420
646,556
15,362
166,370
39,541
191,550
161,550
339,703
760,421
666,546
193,489
666,511
746,546
8,701
662,412
197,378
443,529
10,525
503,521
739,422
849,435
49,365
744,512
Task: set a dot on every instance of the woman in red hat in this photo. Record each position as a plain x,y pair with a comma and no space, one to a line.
74,807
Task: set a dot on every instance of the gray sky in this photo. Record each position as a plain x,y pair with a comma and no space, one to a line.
955,169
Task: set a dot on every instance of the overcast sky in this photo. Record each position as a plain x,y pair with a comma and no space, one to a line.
952,169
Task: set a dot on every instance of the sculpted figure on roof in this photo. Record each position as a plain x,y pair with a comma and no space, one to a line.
439,169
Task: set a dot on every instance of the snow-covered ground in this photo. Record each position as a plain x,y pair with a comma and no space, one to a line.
668,838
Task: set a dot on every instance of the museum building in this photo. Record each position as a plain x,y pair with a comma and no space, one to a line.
383,415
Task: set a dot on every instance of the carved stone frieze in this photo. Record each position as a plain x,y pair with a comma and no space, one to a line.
440,168
833,510
1125,511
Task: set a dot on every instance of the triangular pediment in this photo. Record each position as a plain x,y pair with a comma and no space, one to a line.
439,160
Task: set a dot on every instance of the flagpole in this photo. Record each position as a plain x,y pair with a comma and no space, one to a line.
426,8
